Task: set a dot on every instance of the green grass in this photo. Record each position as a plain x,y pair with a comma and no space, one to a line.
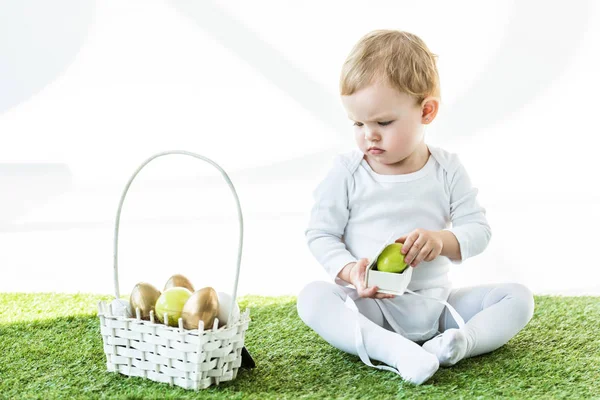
50,347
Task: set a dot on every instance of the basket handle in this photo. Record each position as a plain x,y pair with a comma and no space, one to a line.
239,210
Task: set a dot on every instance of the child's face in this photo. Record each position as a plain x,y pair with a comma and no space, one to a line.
387,125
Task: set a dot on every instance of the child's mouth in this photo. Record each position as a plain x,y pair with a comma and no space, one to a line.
375,150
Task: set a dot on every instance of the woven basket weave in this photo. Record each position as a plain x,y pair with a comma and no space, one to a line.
193,359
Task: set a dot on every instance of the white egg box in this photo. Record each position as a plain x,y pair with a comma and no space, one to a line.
388,282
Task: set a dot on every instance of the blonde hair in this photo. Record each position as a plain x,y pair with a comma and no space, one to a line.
400,58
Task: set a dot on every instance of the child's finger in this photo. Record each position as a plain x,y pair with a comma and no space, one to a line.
431,256
422,254
373,291
408,242
401,239
414,250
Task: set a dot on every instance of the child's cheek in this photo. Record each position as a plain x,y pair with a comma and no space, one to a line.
360,141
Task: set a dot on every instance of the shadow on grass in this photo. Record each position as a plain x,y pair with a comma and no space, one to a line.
63,358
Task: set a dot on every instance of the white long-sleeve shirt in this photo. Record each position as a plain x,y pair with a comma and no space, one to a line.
356,209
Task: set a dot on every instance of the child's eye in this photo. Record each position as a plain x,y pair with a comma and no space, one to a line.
358,124
385,123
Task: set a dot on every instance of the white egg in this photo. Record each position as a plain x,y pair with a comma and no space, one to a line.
224,306
121,308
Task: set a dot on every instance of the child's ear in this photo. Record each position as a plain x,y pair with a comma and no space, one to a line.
429,109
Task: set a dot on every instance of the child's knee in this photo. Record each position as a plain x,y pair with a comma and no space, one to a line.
310,299
525,303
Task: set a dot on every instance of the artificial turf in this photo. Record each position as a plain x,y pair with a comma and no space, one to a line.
50,347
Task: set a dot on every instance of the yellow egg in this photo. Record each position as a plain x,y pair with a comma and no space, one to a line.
171,303
179,280
203,306
143,296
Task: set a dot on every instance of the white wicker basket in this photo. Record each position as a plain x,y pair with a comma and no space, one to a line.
193,359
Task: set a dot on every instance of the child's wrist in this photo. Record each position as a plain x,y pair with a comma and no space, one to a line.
346,272
450,245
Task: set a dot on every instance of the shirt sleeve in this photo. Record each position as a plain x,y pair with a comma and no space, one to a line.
328,220
469,223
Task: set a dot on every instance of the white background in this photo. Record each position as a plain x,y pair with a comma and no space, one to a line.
89,90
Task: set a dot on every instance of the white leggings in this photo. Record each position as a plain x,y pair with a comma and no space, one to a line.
493,315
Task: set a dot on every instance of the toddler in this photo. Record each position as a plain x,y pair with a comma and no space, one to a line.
395,182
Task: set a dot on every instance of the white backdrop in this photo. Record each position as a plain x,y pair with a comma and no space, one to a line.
89,90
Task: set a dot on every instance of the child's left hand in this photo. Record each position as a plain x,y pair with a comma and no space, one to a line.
421,245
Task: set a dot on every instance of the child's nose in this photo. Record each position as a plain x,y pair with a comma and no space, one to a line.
372,134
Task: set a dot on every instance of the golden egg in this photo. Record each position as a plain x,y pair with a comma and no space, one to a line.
143,296
179,280
203,306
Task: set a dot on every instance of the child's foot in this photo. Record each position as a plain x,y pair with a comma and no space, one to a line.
450,347
417,367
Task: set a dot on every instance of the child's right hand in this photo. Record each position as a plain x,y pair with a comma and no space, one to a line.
356,277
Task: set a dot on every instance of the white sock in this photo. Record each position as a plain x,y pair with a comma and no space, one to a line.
415,364
450,347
